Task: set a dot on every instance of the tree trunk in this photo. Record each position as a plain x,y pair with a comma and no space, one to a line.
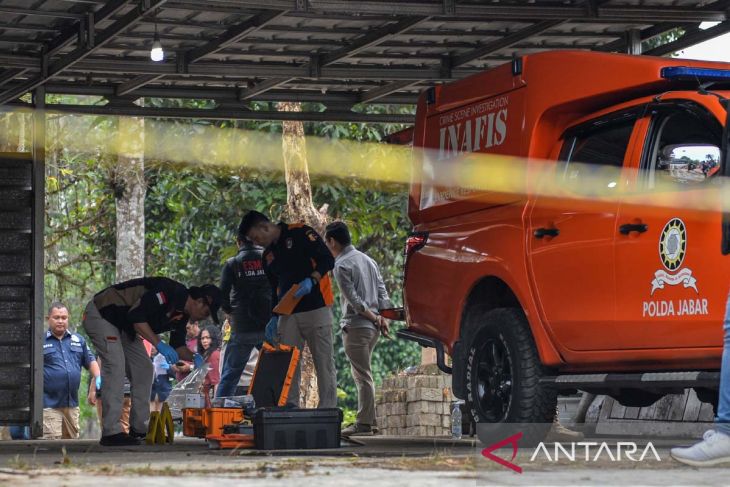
5,132
53,201
129,192
300,209
13,137
22,121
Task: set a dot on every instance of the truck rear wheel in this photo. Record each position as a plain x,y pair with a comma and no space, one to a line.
503,372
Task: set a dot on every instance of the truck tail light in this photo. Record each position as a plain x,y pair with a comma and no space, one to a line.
415,242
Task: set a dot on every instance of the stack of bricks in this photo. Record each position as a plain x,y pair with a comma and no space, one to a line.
416,404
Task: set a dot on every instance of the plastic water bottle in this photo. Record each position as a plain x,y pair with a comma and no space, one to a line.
456,421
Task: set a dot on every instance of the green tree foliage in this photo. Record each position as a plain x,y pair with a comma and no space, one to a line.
660,40
192,218
79,243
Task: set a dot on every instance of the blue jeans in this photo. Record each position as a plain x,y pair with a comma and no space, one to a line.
723,407
19,432
237,354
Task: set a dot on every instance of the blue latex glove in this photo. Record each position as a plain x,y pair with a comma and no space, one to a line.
98,383
305,287
168,352
198,360
271,329
165,366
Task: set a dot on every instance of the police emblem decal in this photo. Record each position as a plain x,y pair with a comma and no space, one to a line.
673,244
672,250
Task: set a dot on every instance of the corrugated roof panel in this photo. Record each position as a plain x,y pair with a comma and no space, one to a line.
422,37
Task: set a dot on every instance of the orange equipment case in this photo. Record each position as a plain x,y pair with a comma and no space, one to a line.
271,389
227,442
201,422
268,391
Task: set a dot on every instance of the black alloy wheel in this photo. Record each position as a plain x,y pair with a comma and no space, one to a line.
494,379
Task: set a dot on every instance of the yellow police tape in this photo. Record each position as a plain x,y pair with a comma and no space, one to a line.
161,429
385,166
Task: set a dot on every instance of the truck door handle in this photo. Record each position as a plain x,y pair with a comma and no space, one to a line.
546,232
627,228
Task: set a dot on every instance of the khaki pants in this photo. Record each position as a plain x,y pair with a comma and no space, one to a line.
60,423
120,355
359,345
314,328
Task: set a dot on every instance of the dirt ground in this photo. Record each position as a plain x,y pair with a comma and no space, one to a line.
382,462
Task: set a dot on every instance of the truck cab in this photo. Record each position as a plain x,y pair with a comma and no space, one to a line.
568,230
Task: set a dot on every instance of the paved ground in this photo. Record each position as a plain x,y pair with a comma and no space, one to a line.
382,462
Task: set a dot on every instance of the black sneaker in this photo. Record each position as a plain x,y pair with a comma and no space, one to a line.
120,439
135,434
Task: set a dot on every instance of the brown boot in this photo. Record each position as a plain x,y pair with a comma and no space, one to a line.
357,429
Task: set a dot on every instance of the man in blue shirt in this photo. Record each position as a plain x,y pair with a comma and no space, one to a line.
64,353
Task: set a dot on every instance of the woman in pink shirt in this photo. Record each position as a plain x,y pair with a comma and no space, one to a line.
209,343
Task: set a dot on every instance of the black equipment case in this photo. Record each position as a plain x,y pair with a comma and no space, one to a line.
297,429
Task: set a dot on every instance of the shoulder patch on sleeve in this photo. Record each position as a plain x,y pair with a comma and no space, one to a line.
312,235
161,297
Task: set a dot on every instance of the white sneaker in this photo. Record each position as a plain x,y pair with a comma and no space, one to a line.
559,433
712,450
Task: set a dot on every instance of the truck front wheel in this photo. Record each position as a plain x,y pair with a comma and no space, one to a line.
503,372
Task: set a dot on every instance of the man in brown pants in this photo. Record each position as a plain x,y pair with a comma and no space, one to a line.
362,294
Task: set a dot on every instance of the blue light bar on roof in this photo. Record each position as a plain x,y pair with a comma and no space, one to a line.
677,73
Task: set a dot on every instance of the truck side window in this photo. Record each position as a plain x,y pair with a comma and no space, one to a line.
684,150
595,156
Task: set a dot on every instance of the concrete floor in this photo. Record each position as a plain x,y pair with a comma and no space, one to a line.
382,461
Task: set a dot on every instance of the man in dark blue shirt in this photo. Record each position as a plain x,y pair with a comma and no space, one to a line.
296,254
64,353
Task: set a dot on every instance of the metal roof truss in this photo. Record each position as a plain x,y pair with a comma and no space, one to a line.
336,53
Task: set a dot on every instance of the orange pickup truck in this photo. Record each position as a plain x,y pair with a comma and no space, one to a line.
535,292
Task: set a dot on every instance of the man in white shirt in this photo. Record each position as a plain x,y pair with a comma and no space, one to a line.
362,294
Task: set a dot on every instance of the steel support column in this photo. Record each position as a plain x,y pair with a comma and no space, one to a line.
633,42
38,225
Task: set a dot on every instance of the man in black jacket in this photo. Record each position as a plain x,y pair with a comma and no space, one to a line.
246,299
117,318
296,254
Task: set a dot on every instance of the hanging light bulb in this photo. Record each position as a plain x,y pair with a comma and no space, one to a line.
156,53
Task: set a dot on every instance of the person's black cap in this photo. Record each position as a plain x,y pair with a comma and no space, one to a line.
212,294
